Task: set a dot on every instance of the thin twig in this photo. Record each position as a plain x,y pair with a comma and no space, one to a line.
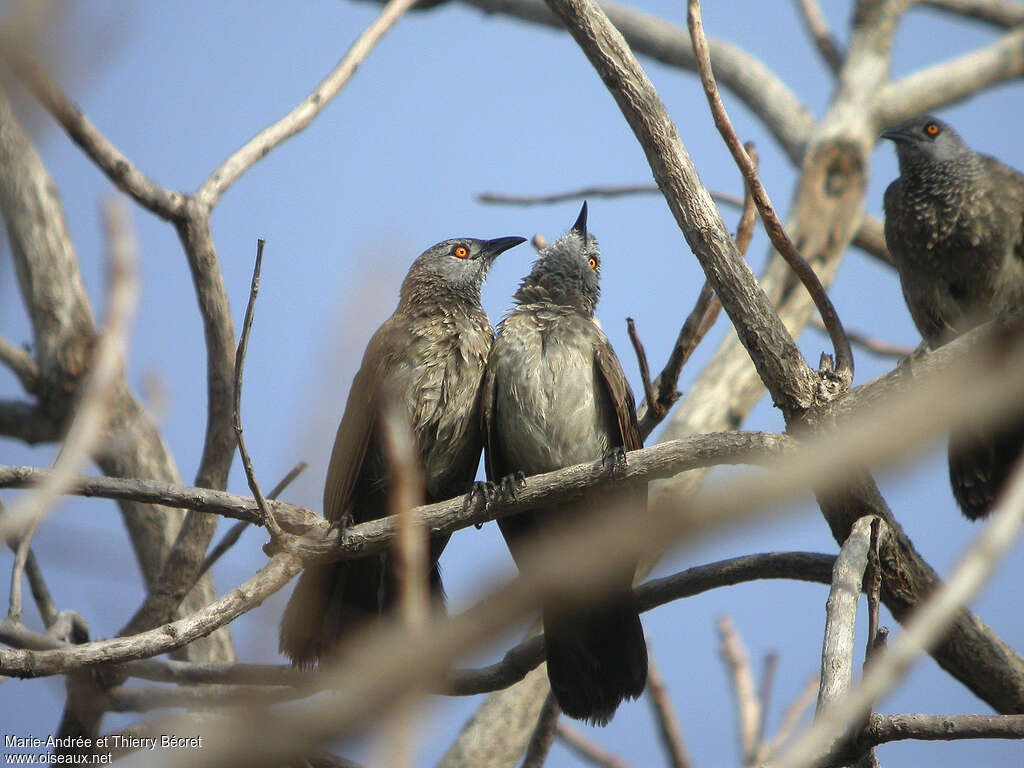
874,589
91,413
235,532
776,232
641,358
665,716
303,114
696,326
164,202
748,706
543,734
878,347
764,694
790,720
617,190
266,516
586,749
817,26
21,364
40,592
21,552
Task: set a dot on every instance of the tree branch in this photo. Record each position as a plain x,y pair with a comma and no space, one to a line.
302,115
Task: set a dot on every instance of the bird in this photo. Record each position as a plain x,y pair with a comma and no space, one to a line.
954,224
430,357
554,395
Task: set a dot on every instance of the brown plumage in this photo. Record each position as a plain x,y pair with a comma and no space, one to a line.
954,224
429,355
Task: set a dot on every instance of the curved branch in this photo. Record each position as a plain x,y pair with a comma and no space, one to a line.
165,203
786,117
950,81
278,572
778,360
300,117
1001,13
773,226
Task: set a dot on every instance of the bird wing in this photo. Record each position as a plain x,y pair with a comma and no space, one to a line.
493,464
1010,186
620,393
359,422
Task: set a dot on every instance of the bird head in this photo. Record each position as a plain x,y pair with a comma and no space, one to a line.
458,265
567,272
926,139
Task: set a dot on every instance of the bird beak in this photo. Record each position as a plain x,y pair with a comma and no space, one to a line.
896,135
494,248
581,222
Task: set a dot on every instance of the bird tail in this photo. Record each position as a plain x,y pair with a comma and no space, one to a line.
980,463
596,657
331,600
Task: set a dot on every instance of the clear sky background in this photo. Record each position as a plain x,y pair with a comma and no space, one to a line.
450,104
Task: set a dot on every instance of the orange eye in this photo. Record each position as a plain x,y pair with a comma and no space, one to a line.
461,251
932,129
592,262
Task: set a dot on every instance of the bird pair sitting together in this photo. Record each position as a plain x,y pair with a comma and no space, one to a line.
547,392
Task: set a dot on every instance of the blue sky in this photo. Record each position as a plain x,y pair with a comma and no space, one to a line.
450,104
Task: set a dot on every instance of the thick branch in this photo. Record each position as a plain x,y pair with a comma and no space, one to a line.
885,728
779,363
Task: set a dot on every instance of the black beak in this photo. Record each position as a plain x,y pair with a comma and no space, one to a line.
494,248
897,136
581,222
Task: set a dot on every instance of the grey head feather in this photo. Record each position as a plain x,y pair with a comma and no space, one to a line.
926,141
453,268
567,273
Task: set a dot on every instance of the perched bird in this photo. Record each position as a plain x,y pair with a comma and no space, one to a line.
555,395
430,356
954,224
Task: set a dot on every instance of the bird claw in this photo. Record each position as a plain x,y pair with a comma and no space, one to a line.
510,484
614,460
483,490
341,523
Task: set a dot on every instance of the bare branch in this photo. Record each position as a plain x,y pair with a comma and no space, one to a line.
543,735
748,705
1002,13
841,615
921,631
776,231
665,715
97,389
272,577
618,190
266,516
950,81
645,372
790,720
817,27
165,203
586,749
21,552
878,347
885,728
236,530
302,115
21,364
778,361
767,96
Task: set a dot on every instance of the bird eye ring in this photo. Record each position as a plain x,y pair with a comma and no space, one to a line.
460,251
592,262
932,129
